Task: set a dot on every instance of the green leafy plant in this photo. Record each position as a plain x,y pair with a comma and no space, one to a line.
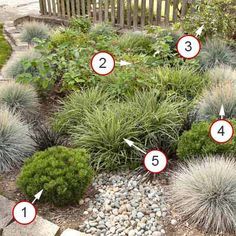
217,16
5,48
203,194
216,52
18,98
81,24
63,173
34,30
213,98
15,142
196,142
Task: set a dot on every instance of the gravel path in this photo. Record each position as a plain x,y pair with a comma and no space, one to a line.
124,206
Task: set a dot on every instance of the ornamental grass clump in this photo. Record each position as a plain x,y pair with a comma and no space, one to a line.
204,194
15,141
63,173
19,97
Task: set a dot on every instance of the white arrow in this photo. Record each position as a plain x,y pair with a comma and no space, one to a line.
199,31
37,196
222,112
124,63
131,144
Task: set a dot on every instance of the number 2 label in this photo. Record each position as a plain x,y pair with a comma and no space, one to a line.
103,63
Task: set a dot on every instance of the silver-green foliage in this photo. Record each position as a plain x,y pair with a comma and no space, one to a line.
212,99
34,30
18,97
17,67
216,52
142,118
204,194
15,142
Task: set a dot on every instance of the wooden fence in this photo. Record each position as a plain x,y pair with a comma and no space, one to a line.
123,13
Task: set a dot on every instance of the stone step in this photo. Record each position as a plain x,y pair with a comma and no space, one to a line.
40,227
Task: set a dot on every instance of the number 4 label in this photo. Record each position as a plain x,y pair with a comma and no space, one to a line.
103,63
155,161
188,46
221,131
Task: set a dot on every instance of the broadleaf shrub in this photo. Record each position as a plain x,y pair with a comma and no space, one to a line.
15,142
63,173
197,142
203,194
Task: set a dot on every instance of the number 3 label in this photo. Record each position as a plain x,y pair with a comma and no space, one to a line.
221,131
24,213
155,161
188,46
103,63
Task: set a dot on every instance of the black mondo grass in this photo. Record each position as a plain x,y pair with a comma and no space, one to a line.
204,194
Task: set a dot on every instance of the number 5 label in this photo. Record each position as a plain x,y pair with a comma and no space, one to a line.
155,161
103,63
188,46
221,131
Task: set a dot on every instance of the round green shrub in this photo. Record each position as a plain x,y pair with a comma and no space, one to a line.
197,142
103,30
80,24
63,173
15,142
203,194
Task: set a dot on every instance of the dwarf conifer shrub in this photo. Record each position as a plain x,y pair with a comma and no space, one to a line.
19,97
15,141
63,173
204,194
196,142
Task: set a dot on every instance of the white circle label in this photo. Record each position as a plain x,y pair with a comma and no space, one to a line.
103,63
221,131
24,213
155,161
188,46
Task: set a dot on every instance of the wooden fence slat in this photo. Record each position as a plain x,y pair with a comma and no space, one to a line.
175,10
122,16
184,8
41,7
94,11
89,8
59,8
77,4
143,13
106,10
83,7
49,7
54,12
63,10
113,12
129,13
167,11
158,14
68,9
150,19
45,7
73,8
118,10
100,10
135,19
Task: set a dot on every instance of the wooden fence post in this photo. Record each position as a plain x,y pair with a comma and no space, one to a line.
41,7
167,11
122,16
129,13
143,13
150,11
135,17
158,16
113,20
